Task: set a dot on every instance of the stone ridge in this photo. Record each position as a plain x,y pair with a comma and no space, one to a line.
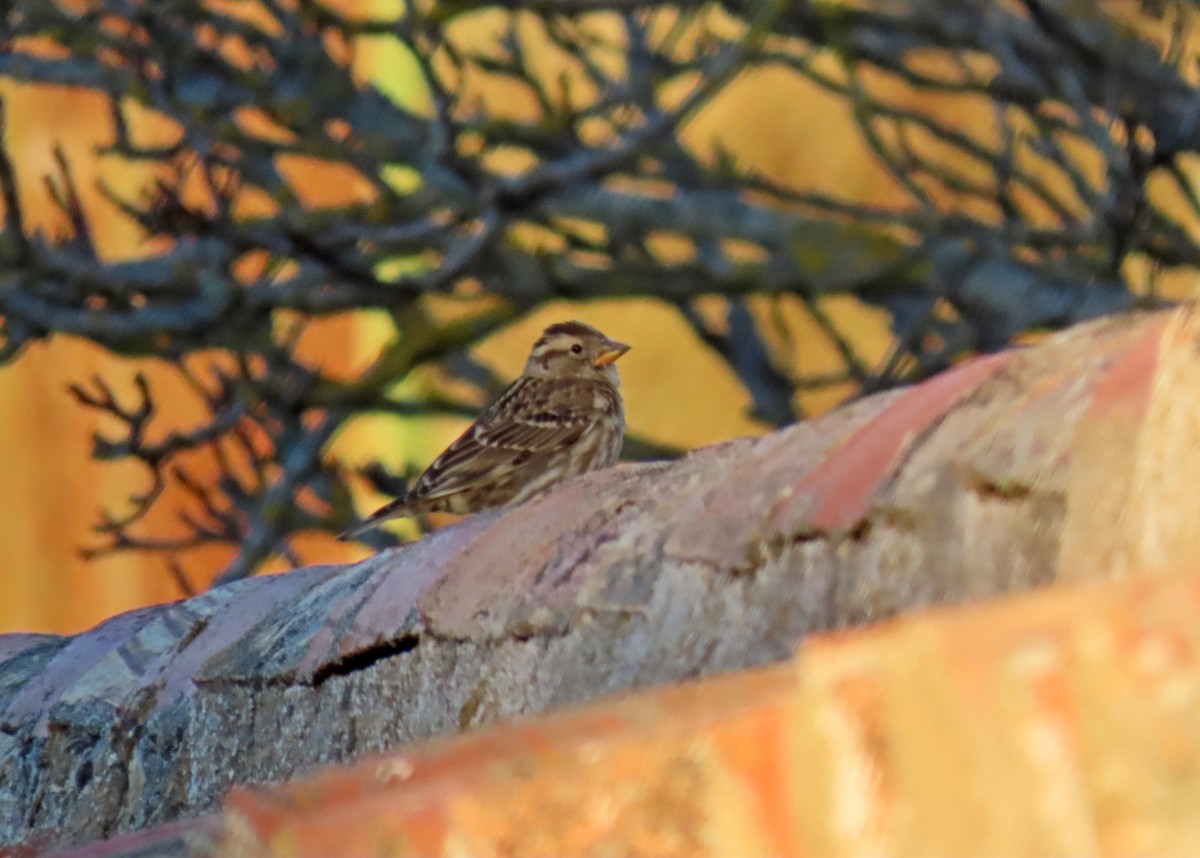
998,729
955,489
1054,723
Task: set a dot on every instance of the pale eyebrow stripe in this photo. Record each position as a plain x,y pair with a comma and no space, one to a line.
545,342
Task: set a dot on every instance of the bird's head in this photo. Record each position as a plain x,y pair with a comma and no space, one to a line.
574,350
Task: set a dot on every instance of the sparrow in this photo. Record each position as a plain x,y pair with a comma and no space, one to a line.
562,417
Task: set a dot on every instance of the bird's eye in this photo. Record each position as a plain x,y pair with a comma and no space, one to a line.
577,349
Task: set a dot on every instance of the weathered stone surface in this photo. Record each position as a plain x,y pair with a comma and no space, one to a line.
953,490
1055,723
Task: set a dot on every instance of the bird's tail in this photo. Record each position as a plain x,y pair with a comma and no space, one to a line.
396,509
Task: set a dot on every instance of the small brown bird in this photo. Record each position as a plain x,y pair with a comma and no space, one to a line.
561,418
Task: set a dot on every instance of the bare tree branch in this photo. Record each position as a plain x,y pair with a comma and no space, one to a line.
996,230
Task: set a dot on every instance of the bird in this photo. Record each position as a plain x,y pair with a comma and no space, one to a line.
562,417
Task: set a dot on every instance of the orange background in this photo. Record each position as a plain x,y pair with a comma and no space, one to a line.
676,390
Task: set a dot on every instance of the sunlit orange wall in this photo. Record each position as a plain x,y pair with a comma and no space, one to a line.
51,490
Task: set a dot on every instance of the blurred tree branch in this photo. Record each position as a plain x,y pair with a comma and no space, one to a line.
1003,229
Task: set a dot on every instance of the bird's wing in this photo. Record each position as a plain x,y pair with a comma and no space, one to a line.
532,417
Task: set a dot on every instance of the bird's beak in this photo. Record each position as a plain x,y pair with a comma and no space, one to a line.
611,351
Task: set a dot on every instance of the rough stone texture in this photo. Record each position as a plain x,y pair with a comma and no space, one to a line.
954,490
1056,723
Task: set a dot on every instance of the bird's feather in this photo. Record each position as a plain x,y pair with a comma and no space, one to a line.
562,417
533,415
531,420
